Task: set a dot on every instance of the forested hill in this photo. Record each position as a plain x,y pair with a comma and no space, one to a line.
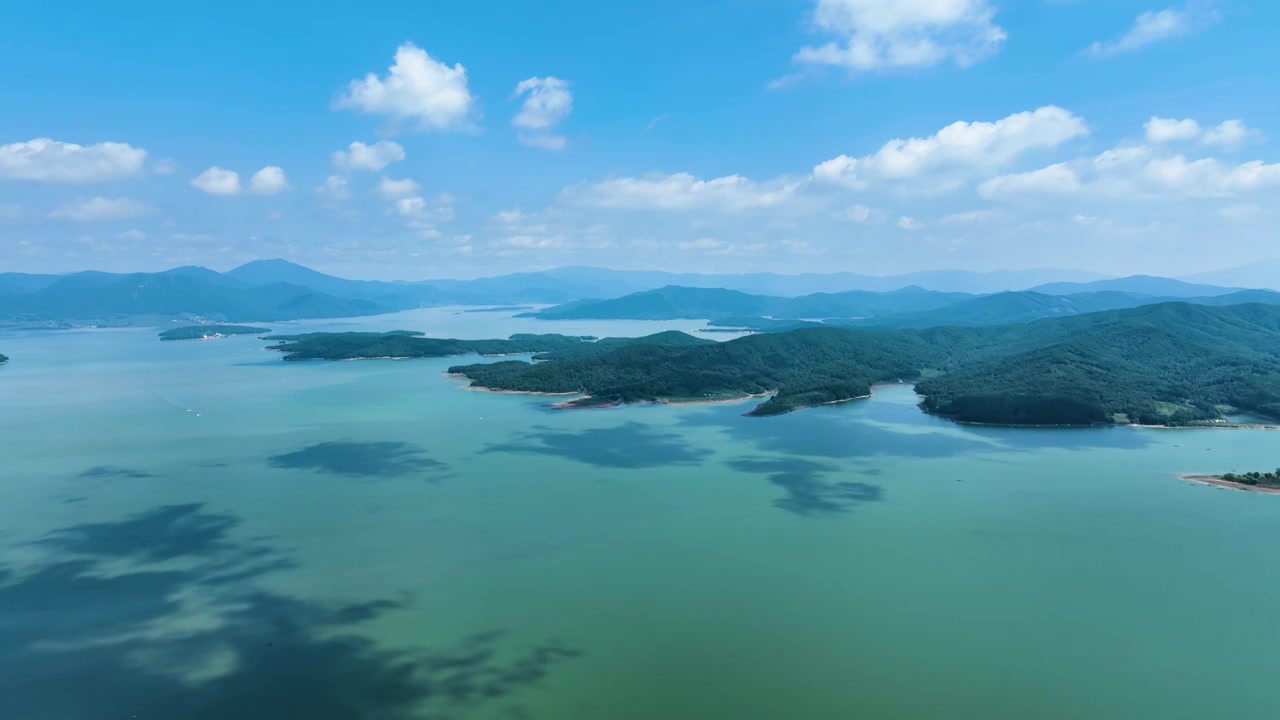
409,344
910,307
674,302
1172,363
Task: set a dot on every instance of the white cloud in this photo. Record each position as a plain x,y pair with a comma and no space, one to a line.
334,188
1053,179
882,34
359,156
397,188
909,223
217,181
682,191
971,216
165,166
547,101
411,206
100,208
960,145
417,87
131,234
860,214
46,160
1161,130
1156,25
1137,172
1229,134
509,217
268,181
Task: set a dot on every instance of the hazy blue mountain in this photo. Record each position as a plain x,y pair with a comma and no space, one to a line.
1140,284
19,283
1260,274
185,291
675,302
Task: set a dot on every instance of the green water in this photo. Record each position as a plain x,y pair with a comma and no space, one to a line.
199,530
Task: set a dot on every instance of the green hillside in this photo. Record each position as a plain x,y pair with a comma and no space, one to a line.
1170,363
201,332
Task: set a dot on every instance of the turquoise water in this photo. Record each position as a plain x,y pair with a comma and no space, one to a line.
199,530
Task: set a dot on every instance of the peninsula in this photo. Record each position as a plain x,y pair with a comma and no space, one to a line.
1168,364
206,332
1267,482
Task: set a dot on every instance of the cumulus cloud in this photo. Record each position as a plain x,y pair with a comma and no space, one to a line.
1156,25
334,188
416,87
879,34
1228,134
46,160
268,181
860,214
547,101
1140,173
958,146
682,191
101,208
909,223
217,181
359,156
1058,178
971,216
397,188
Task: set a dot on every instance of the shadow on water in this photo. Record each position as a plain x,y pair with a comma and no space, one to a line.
345,457
100,628
808,493
630,445
868,429
111,471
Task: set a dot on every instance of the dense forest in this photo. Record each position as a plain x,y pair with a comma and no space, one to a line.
201,332
1258,479
1167,364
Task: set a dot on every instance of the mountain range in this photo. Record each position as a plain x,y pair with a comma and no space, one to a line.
272,290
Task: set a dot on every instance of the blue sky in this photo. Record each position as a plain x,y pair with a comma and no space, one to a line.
430,139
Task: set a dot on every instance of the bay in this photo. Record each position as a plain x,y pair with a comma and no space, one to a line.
200,530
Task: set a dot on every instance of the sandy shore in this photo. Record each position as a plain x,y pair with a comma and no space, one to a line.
1217,481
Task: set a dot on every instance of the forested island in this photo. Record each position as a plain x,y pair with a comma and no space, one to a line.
4,359
1168,364
410,344
205,332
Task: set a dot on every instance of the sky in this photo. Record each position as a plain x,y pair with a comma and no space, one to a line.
417,139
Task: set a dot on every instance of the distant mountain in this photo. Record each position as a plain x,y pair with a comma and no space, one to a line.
675,302
179,292
270,289
1140,284
1260,274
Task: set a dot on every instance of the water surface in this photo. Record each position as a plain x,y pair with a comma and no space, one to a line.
199,530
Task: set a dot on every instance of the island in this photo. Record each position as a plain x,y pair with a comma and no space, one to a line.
401,344
1167,364
1268,482
4,359
207,332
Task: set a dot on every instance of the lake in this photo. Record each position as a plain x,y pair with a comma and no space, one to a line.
200,530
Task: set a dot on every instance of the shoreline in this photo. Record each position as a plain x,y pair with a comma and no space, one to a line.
1218,482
